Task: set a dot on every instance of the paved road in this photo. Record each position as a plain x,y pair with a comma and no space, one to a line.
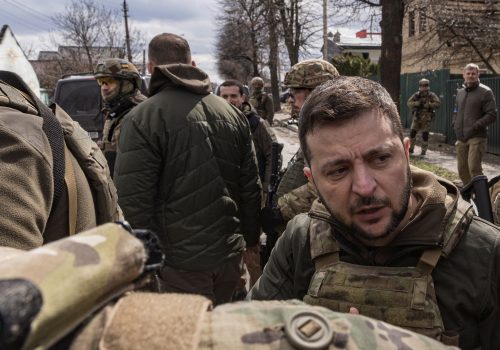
288,135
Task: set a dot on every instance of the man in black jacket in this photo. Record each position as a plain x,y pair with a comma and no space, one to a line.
186,169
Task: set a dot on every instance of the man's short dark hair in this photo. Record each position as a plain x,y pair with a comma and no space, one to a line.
232,82
169,48
344,98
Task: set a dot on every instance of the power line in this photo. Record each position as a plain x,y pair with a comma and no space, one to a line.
30,10
21,21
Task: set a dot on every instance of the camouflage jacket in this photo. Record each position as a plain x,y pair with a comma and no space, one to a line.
112,124
263,104
424,104
466,281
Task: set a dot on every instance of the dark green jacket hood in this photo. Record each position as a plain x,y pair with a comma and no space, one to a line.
180,75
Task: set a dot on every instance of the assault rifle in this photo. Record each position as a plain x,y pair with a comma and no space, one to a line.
271,234
47,292
479,187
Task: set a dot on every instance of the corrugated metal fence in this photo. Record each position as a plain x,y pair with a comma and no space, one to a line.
445,86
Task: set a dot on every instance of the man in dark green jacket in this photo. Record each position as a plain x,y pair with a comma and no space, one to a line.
386,240
186,168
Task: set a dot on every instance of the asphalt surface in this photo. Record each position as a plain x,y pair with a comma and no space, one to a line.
447,160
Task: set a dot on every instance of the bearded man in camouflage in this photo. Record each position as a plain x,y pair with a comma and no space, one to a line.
423,103
261,101
120,85
386,239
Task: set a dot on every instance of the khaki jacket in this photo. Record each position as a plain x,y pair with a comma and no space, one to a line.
28,217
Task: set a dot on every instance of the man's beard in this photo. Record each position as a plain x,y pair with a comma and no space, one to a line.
396,217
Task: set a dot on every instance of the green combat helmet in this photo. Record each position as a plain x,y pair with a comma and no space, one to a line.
118,68
310,73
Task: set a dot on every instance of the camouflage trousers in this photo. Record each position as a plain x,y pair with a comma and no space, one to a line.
423,124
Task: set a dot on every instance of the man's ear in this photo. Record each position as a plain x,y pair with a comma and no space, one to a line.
308,174
193,63
150,67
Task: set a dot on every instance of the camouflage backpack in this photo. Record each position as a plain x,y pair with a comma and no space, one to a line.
75,294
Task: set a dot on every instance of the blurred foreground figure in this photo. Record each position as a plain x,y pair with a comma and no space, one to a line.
75,294
54,180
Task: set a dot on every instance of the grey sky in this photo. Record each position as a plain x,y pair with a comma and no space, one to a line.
194,19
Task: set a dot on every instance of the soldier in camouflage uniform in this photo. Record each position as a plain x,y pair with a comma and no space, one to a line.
76,294
422,103
261,101
294,194
120,84
386,239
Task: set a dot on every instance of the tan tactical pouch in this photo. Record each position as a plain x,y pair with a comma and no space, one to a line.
155,321
402,296
94,165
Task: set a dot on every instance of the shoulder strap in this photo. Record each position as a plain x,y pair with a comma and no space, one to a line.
21,93
324,248
70,180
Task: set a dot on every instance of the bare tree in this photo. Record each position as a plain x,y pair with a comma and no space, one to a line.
458,31
241,38
300,21
94,31
391,13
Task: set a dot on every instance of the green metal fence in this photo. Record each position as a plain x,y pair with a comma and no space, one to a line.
445,86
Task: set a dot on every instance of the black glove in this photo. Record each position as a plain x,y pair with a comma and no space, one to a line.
270,218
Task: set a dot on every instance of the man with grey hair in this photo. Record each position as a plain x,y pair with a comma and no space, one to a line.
385,239
186,169
476,110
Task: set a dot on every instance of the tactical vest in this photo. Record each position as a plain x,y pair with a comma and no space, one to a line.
402,296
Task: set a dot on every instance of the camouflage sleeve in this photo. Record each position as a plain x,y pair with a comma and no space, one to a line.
413,101
294,176
434,101
297,201
26,184
289,268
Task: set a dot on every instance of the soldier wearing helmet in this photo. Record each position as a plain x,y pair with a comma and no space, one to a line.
294,194
261,101
423,103
120,85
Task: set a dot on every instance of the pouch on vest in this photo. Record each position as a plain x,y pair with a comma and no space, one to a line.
403,296
94,165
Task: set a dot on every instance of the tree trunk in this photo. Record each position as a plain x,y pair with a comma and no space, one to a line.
273,56
390,60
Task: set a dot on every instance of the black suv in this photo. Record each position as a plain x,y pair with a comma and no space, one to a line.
80,97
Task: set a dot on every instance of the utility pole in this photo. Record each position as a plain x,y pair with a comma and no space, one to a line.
127,36
325,32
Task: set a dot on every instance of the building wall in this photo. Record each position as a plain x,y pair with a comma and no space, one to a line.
416,48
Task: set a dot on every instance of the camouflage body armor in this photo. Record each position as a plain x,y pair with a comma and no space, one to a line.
423,105
403,296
